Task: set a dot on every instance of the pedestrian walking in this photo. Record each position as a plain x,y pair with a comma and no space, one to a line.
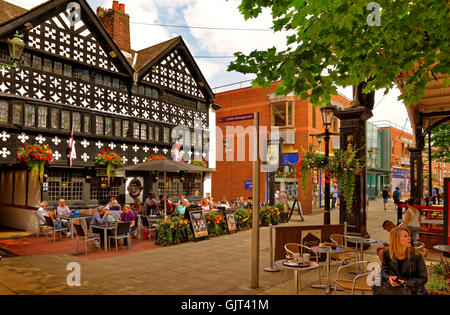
283,199
386,195
334,196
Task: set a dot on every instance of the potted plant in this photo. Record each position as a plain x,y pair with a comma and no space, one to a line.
439,280
110,160
35,156
173,231
310,161
269,215
284,215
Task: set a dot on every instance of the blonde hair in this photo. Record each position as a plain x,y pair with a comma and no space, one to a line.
126,206
114,202
394,246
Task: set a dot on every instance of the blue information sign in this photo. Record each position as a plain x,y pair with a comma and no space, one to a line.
289,159
249,184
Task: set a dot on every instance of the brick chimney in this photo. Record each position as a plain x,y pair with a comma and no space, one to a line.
117,23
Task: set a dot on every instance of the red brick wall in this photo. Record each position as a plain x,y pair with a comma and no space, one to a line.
117,24
230,177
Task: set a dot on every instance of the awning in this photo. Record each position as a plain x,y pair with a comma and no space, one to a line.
165,165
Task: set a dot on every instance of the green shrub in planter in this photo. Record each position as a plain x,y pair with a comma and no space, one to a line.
269,215
439,280
243,218
173,231
216,223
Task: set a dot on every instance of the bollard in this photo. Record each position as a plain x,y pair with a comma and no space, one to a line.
271,268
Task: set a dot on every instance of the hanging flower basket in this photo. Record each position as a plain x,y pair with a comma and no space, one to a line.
110,160
343,166
155,157
309,162
201,163
35,156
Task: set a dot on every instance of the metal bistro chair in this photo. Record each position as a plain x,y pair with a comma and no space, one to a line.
294,250
122,231
41,228
52,227
360,281
341,241
83,235
147,226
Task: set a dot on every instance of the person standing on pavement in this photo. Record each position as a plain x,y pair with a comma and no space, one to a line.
334,196
396,196
283,199
385,194
412,220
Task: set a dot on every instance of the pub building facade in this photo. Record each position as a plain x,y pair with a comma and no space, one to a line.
78,72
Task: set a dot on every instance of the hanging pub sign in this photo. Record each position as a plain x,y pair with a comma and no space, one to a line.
198,223
231,222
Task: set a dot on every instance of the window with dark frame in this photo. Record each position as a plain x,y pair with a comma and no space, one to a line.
136,130
58,68
76,122
150,133
98,79
106,80
48,65
282,114
4,111
54,118
42,116
115,83
67,70
30,115
26,59
87,123
99,125
118,128
166,135
108,126
157,133
17,110
37,63
65,120
4,53
67,186
143,132
126,128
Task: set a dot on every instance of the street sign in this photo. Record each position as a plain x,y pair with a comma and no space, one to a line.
249,185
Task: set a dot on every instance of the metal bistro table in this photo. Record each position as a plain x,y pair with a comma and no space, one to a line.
72,217
443,248
104,227
361,242
313,265
327,250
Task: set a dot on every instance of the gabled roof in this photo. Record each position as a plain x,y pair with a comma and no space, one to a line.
40,14
146,55
9,11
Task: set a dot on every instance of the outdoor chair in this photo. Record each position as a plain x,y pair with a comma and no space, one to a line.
52,228
359,282
341,241
122,231
294,250
83,234
147,226
41,228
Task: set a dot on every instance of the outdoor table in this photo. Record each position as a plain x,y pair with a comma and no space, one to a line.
104,227
71,218
442,248
327,250
313,265
361,242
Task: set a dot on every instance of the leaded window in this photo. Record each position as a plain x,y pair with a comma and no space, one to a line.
54,120
136,130
26,59
126,128
122,85
115,83
4,55
17,113
118,128
76,122
42,116
98,78
141,90
65,120
67,186
58,68
191,186
156,133
67,70
100,190
148,91
172,186
150,133
155,93
30,115
4,109
166,135
87,123
48,66
106,80
143,132
37,62
99,125
108,126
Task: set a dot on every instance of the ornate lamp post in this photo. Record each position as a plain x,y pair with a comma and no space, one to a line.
15,47
327,113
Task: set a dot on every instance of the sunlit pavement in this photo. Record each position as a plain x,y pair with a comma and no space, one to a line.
220,265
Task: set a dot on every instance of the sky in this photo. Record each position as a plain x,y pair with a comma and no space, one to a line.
220,43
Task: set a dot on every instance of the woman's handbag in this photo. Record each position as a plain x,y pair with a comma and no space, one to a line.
386,289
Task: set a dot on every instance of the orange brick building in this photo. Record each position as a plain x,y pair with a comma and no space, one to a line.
296,120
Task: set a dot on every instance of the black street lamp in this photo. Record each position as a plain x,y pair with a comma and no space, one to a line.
327,118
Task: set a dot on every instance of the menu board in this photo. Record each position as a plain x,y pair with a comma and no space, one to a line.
231,222
198,223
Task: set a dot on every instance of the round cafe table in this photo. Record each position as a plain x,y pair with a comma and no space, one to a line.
327,250
442,248
361,241
313,265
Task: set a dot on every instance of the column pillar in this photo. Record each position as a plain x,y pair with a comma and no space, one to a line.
416,174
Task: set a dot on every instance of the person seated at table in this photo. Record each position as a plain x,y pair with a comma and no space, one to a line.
224,203
42,212
151,201
128,216
181,208
211,202
63,210
182,198
115,206
102,217
403,265
136,207
109,204
204,204
169,204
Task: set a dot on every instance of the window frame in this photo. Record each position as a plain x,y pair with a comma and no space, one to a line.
289,117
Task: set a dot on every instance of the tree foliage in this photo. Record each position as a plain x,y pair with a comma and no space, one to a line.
440,140
331,44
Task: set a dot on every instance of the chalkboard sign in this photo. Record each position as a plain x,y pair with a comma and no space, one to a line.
231,222
198,223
